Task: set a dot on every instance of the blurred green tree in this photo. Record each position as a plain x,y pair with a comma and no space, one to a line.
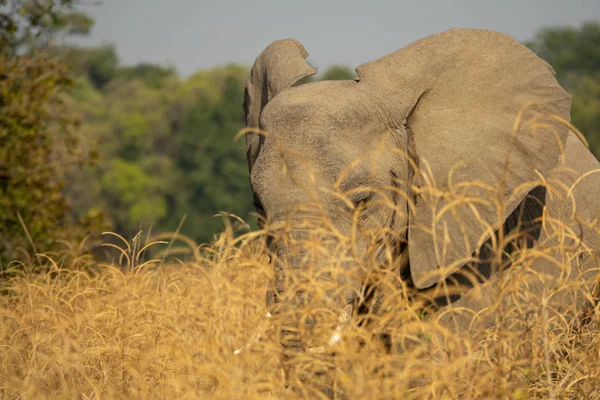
153,75
97,64
166,151
337,73
33,24
217,175
39,143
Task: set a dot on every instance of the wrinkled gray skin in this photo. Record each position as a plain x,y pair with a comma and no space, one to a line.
447,101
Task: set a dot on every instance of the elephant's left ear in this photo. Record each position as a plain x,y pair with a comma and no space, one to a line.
281,65
458,95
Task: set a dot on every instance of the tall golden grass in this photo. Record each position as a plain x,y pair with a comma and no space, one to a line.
171,330
155,327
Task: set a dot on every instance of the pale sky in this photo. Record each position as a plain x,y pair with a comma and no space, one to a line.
198,34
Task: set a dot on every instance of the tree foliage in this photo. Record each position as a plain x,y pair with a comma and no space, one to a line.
39,142
97,64
32,24
153,75
338,72
167,149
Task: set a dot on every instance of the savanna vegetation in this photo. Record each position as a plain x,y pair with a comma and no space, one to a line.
88,145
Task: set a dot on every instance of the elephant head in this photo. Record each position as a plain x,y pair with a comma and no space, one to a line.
424,128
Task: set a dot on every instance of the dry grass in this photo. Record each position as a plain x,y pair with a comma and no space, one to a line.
170,331
199,328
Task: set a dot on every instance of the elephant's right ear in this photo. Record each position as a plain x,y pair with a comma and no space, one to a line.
281,65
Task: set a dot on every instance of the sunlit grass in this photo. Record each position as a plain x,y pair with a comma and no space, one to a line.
170,330
173,320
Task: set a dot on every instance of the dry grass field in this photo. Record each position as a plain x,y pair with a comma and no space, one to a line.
167,330
174,320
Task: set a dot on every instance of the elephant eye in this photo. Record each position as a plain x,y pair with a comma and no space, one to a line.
362,198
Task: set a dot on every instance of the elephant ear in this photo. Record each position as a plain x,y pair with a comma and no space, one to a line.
457,94
281,65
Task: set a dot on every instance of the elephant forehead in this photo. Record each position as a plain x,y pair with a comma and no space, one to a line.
289,165
327,125
334,108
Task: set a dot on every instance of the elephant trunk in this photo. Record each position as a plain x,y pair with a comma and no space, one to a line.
313,290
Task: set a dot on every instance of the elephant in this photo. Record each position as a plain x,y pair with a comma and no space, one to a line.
464,113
